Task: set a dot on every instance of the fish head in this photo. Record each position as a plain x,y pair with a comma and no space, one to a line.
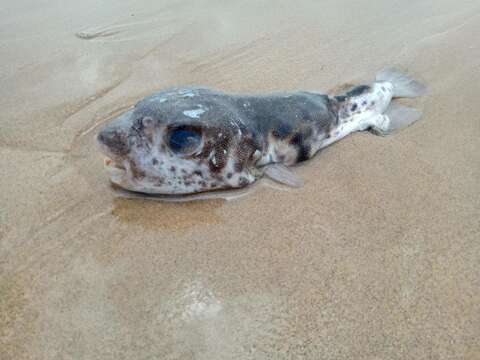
170,143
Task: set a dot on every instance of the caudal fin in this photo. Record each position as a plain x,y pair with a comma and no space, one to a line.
403,85
396,117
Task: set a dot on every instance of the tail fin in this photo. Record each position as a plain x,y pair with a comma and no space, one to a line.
396,117
403,85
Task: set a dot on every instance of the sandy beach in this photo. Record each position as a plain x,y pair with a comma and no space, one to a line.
376,257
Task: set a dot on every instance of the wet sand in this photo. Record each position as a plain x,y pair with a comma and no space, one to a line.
376,257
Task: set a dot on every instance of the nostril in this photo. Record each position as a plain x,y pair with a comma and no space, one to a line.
114,141
114,135
106,137
101,138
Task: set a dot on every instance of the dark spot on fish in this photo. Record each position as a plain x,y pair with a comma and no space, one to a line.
341,98
383,89
301,137
198,173
358,90
155,161
213,184
173,169
229,175
300,141
243,181
303,153
354,107
188,183
184,171
372,103
297,139
364,102
202,183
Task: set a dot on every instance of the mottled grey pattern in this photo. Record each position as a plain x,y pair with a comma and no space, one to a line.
194,139
282,114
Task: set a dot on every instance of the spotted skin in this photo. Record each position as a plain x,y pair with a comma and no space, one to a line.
240,134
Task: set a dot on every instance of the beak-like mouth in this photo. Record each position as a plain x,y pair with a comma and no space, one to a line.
112,141
115,170
110,163
113,137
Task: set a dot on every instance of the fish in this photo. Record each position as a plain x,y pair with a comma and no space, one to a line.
192,140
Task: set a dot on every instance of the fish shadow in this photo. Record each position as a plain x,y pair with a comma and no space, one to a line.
165,216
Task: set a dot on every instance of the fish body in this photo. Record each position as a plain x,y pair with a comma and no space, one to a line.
194,139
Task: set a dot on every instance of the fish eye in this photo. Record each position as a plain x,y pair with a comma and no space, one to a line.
184,139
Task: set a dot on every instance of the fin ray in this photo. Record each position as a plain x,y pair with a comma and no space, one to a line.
282,174
397,117
403,85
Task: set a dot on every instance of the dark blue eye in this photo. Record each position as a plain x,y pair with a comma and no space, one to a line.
184,139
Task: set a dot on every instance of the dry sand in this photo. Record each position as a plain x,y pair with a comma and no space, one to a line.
377,257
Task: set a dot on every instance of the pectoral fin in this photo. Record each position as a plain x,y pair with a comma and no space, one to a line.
282,174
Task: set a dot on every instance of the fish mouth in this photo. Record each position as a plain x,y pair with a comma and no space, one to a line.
111,164
116,171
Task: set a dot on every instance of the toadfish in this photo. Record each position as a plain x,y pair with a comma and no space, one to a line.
194,139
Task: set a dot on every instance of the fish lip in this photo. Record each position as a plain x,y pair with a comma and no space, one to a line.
118,174
110,160
109,163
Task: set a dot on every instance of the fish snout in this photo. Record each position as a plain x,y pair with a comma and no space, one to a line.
114,140
113,137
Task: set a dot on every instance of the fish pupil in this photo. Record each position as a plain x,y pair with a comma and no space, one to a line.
184,140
